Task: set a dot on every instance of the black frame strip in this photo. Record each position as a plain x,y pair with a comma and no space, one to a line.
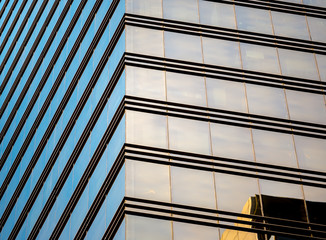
79,146
31,104
280,6
234,118
133,150
6,20
226,73
3,8
28,57
13,25
75,114
227,34
50,128
20,51
218,167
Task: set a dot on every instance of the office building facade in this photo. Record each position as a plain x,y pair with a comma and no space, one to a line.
163,119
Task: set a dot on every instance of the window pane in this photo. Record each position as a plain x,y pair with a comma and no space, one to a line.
282,200
216,14
182,10
189,135
290,25
321,59
192,187
320,3
231,142
186,89
186,231
266,101
306,106
145,82
148,181
144,7
259,58
144,41
274,148
147,228
236,193
317,28
254,20
226,95
298,64
311,153
221,52
146,129
182,46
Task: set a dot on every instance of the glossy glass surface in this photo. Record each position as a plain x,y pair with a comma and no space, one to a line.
221,52
274,148
143,7
295,27
147,228
231,142
192,187
216,14
254,20
146,129
266,101
182,10
144,82
189,135
226,95
145,41
298,64
306,106
148,181
182,46
259,58
186,89
185,231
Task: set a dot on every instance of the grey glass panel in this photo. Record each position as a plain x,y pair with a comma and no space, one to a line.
290,25
186,231
231,142
226,95
291,1
186,89
146,129
314,194
216,14
182,10
182,46
144,40
147,228
221,52
320,3
259,58
306,106
311,153
144,7
145,82
266,101
236,193
298,64
148,181
189,135
192,187
321,61
274,148
254,20
317,27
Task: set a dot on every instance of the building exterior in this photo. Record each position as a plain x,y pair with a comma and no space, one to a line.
163,119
